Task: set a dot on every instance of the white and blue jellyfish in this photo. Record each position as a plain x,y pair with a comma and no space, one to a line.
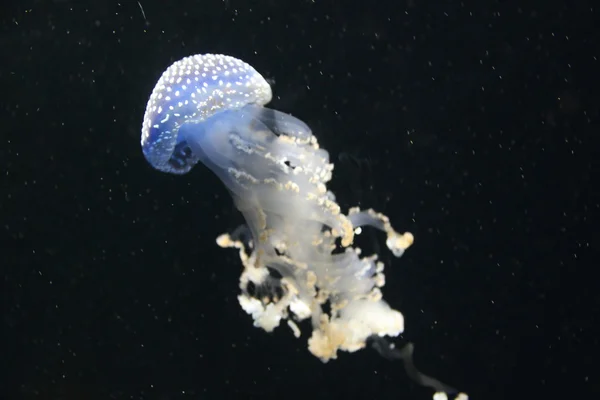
297,244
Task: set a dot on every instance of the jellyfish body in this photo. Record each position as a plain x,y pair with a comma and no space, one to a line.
210,109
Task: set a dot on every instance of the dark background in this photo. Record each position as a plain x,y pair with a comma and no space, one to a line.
472,124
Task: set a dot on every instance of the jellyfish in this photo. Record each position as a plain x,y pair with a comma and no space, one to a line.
296,246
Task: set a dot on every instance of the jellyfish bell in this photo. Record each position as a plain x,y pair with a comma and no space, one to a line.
187,94
297,244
